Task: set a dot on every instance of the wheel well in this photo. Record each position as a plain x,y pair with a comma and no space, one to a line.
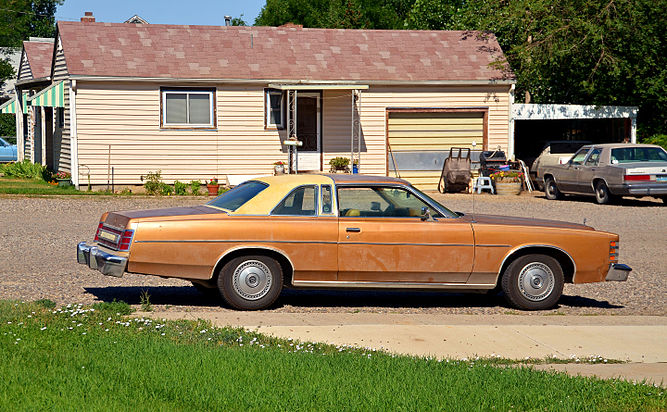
285,264
596,180
563,259
548,176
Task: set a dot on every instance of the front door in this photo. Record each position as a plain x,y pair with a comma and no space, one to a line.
381,238
308,131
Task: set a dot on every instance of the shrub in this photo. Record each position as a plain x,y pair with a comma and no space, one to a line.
659,139
165,189
222,189
153,183
195,185
339,163
27,170
180,189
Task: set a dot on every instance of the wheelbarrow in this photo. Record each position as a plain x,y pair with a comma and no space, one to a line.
456,174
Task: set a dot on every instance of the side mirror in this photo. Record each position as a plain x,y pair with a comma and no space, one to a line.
426,214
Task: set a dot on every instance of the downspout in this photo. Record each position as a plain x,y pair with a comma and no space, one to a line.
510,143
20,143
73,140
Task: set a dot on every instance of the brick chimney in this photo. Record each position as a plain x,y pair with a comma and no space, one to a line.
88,18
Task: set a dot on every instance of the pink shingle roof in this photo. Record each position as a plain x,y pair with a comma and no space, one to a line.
39,55
277,53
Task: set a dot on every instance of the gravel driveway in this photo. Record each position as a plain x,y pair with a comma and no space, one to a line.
38,237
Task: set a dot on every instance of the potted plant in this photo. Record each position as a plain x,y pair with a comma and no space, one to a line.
63,179
339,164
212,186
507,182
279,167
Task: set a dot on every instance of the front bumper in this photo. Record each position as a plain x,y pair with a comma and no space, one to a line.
106,263
618,272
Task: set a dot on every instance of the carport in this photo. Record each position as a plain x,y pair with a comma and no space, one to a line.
533,125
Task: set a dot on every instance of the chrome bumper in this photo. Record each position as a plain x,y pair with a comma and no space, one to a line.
94,258
618,272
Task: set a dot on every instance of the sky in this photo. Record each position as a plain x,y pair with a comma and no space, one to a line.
202,12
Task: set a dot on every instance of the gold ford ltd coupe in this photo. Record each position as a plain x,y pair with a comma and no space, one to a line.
349,231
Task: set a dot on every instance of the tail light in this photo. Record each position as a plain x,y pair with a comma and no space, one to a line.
125,240
97,233
636,178
613,251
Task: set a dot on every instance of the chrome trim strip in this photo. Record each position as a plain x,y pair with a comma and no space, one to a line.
493,245
390,285
511,252
404,244
238,241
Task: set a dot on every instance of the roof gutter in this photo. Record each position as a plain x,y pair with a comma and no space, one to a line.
491,82
31,82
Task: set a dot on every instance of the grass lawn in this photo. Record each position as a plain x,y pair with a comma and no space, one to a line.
13,185
77,358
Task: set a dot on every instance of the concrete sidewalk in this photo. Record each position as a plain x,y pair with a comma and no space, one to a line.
640,340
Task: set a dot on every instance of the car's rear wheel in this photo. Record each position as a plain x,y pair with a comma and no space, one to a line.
602,195
551,190
533,282
250,282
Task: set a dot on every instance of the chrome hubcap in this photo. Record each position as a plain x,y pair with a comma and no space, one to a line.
536,281
252,280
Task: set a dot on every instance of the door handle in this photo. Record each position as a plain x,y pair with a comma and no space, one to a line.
353,229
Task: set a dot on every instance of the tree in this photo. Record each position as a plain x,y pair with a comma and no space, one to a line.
600,52
21,19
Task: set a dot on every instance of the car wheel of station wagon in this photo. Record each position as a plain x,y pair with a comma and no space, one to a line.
533,282
250,282
551,190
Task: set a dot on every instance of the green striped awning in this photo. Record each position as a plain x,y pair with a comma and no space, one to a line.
52,96
9,106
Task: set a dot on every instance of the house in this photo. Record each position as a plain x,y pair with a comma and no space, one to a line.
198,102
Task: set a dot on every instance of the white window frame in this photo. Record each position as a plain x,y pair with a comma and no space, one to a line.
267,109
188,92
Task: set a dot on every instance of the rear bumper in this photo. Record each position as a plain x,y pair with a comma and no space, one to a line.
640,189
95,258
618,272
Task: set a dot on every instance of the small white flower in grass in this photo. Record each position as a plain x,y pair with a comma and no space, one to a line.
106,330
83,333
44,328
162,333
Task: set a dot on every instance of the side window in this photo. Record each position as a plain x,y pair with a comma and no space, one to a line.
327,204
379,202
579,157
274,113
188,108
301,201
594,158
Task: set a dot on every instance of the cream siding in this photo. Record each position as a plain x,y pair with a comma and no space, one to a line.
61,135
126,117
24,68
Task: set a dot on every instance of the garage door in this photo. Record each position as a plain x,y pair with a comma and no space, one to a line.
418,142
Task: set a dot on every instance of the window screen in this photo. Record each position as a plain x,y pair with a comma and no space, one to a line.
191,108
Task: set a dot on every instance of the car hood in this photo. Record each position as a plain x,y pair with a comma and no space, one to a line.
478,219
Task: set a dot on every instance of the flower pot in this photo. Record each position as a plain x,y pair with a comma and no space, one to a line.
64,182
355,169
508,188
212,189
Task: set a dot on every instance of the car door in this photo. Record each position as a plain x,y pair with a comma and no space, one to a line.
6,153
567,178
382,238
587,172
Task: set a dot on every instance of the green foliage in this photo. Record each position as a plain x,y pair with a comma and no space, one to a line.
195,185
180,188
117,307
153,184
27,170
8,125
238,21
659,139
222,189
21,19
351,14
339,162
145,300
46,303
123,363
165,189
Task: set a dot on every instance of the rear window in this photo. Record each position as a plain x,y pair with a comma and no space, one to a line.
638,154
238,196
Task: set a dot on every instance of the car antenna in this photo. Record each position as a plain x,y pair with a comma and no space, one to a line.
474,143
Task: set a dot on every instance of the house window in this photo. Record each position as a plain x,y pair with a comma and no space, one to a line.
188,107
274,103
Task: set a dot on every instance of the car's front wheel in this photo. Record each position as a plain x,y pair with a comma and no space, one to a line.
533,282
250,282
551,190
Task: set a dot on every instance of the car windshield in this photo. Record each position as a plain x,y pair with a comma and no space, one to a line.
238,196
638,154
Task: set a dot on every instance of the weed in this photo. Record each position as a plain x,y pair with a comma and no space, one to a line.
195,185
180,188
28,170
145,300
116,306
222,189
46,303
165,189
153,184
